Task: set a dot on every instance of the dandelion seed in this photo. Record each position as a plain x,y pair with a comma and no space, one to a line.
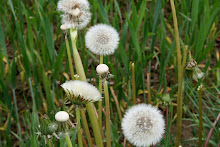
143,125
76,13
81,90
102,39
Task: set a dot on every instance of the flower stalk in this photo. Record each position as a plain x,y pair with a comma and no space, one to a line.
100,102
133,83
68,141
82,77
78,127
108,128
180,75
69,57
200,116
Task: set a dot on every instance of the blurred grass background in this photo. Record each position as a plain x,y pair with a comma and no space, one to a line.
34,63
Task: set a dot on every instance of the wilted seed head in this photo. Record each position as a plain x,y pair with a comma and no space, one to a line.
76,13
191,64
195,72
62,116
102,39
143,125
83,91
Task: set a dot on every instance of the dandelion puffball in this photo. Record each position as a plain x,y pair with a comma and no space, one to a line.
83,89
102,39
102,69
76,13
143,125
62,116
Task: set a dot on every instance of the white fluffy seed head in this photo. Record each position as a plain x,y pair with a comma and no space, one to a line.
143,125
102,39
76,13
62,116
83,89
102,69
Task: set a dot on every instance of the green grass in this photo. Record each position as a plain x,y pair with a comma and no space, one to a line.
34,63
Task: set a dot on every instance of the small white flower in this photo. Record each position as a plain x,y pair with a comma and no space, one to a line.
102,39
62,116
83,89
143,125
102,69
76,13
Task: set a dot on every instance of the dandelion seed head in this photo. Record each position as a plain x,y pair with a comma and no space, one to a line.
76,13
143,125
62,116
102,39
83,89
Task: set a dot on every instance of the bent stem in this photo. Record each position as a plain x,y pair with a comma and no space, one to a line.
108,129
68,141
78,127
82,77
180,75
100,102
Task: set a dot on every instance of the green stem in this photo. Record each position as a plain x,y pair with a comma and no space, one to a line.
82,77
133,83
180,76
85,127
77,59
108,129
69,58
95,125
78,127
49,143
100,102
200,117
84,121
68,141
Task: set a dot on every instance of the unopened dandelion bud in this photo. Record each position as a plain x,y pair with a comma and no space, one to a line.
143,125
102,69
62,116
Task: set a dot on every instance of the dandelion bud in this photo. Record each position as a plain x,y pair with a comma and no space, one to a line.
47,127
143,125
62,116
102,69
